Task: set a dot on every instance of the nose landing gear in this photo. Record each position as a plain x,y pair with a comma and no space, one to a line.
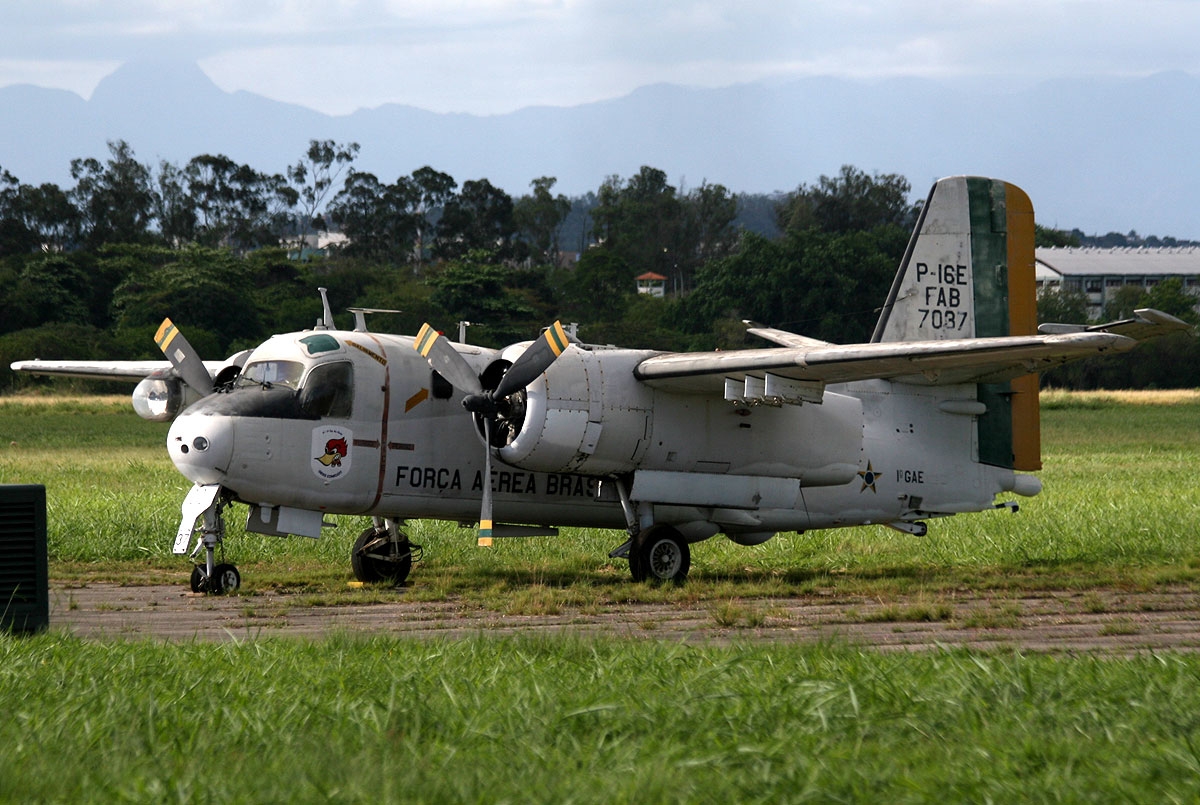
211,577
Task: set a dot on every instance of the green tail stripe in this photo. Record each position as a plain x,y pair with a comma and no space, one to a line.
989,258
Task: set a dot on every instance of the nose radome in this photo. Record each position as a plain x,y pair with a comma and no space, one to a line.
201,447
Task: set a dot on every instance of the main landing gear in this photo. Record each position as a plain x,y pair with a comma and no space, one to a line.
656,552
383,553
659,554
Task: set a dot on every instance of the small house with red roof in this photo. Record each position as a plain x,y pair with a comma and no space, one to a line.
652,284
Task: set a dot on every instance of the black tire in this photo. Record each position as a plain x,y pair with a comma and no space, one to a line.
660,554
225,579
199,579
370,565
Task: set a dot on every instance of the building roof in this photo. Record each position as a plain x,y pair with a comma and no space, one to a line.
650,276
1093,262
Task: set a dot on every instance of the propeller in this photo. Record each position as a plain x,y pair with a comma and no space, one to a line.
489,404
184,358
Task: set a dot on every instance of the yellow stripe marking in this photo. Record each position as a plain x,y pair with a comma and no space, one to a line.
166,333
557,339
425,340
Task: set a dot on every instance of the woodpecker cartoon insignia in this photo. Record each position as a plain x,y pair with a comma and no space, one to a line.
331,451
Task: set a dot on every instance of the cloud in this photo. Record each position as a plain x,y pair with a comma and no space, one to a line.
498,55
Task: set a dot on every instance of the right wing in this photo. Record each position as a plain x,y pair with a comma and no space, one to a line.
972,360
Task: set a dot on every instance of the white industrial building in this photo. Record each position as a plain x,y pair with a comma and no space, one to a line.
1098,273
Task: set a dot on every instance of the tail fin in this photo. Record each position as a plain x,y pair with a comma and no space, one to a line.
968,272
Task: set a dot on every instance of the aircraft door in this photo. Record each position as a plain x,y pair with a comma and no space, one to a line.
350,401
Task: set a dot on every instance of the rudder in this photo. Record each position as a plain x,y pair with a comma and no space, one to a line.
968,272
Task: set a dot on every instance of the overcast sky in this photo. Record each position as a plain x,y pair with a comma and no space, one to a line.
491,56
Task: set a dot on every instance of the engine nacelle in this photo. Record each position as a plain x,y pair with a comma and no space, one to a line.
580,418
592,418
161,396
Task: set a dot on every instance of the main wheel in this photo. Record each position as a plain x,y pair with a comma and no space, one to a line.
660,554
376,557
225,579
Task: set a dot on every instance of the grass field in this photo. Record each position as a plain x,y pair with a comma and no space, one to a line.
498,720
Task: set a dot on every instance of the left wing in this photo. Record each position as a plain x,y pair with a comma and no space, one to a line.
93,370
947,362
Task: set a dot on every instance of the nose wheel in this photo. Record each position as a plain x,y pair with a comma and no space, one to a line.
224,578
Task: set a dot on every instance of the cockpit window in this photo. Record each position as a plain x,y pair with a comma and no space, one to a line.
320,342
329,390
271,373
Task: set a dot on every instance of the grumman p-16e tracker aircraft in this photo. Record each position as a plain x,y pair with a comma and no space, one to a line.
936,415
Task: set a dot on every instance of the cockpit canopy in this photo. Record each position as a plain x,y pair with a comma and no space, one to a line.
285,389
271,373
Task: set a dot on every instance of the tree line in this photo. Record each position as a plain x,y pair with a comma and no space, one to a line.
90,271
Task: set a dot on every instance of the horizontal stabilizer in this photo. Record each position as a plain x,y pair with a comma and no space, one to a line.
1145,323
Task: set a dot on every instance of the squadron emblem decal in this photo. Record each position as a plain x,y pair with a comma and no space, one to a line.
331,451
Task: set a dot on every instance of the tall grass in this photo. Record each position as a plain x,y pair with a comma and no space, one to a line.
562,720
362,718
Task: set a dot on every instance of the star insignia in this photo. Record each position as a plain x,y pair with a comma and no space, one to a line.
869,476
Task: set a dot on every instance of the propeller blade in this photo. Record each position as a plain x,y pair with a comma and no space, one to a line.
445,360
534,361
485,511
184,358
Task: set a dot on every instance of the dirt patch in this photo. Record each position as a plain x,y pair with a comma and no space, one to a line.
1096,620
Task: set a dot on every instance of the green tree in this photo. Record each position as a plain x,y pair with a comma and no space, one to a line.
313,177
237,206
480,216
428,191
1169,296
46,288
1054,238
600,287
507,304
850,201
14,235
642,222
1124,301
822,284
1062,306
175,208
378,220
207,292
114,199
539,217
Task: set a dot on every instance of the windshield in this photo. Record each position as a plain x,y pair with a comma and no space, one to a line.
271,373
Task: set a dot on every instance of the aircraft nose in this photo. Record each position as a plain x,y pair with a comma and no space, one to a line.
201,446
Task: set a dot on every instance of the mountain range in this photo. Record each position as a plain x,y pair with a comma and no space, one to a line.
1100,154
